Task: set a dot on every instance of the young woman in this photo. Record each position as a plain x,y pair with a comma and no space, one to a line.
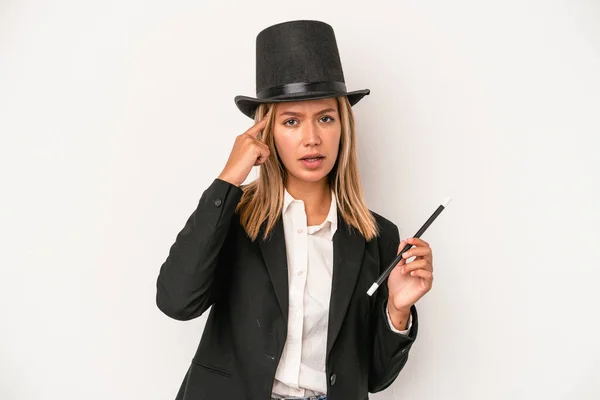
286,261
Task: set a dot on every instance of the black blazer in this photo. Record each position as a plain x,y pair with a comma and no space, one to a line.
213,262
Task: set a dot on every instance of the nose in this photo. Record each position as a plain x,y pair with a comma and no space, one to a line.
312,135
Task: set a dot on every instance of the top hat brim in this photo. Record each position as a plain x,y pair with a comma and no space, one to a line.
248,105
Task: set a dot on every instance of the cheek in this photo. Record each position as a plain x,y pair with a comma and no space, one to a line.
333,144
283,146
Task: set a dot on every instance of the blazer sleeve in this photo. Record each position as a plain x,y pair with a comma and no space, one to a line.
189,281
390,350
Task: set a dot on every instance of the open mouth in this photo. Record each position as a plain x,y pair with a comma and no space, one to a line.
312,162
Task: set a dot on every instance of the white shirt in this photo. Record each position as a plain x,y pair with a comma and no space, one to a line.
301,369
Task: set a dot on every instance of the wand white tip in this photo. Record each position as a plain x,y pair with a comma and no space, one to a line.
372,289
446,201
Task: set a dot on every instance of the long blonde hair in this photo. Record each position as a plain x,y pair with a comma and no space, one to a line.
262,199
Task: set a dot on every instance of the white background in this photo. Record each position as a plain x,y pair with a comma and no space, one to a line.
116,115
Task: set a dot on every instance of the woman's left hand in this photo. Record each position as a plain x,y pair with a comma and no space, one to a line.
408,282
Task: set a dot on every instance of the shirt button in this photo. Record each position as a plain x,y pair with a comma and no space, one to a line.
217,202
300,273
300,230
332,379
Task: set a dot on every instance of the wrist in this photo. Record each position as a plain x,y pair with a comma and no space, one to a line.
398,317
231,181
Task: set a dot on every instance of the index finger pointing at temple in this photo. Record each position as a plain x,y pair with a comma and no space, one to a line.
255,129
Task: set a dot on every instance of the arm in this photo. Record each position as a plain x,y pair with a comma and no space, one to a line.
185,287
407,325
390,349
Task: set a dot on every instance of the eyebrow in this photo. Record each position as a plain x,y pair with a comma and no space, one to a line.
299,114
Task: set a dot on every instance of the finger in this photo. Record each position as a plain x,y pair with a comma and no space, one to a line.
401,262
259,160
421,273
417,242
418,264
417,251
264,155
255,129
262,150
401,246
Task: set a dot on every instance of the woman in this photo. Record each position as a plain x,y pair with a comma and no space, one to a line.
286,261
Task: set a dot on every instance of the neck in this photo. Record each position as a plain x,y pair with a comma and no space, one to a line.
315,195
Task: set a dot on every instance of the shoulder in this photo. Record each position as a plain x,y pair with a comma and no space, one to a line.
388,231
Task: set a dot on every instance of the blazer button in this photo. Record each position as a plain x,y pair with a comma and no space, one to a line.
332,379
218,202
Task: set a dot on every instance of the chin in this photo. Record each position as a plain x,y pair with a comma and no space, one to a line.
312,176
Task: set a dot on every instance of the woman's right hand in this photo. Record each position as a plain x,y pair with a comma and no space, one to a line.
247,152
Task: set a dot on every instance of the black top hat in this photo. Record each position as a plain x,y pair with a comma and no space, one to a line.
297,60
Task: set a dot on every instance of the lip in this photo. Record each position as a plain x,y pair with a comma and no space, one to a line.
313,164
312,155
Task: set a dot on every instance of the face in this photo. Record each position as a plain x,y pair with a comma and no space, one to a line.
304,128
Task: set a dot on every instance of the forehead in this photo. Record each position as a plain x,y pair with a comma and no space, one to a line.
306,106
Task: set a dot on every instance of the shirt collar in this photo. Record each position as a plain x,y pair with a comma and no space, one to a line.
331,216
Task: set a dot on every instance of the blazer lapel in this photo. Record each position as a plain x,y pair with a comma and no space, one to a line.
275,256
348,249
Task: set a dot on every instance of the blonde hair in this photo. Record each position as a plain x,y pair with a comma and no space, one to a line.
262,199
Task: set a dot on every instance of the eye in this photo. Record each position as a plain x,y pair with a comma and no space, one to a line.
290,120
327,116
